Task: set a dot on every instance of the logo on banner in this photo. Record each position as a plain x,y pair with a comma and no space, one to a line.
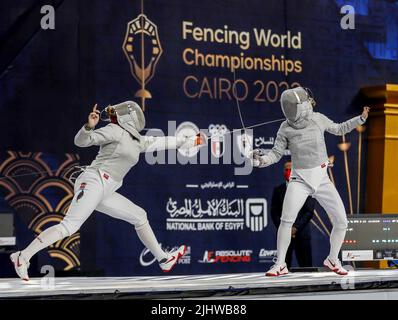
227,256
217,134
256,210
262,141
244,142
147,259
267,256
142,34
216,214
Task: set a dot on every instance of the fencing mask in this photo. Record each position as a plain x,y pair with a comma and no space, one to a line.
128,115
297,104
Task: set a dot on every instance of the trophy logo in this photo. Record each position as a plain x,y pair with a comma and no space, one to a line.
143,50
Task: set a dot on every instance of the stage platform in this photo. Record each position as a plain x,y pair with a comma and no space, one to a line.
375,284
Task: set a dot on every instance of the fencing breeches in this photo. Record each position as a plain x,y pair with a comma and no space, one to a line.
323,190
95,190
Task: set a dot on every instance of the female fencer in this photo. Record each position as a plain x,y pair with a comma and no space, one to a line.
95,189
303,134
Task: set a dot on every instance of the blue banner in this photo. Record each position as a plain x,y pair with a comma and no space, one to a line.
198,64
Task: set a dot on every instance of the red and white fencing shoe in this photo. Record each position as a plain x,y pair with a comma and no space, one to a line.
168,264
335,266
277,270
21,265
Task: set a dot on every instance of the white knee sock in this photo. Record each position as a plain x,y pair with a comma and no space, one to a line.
336,240
283,240
149,240
45,239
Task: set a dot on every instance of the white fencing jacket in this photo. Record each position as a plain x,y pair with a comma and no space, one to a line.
119,151
307,145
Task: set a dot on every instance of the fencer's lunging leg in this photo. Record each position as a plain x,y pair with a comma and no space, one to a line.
296,195
330,200
148,238
45,239
119,207
88,193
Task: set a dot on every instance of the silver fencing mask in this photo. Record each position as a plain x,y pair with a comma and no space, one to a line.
297,106
129,116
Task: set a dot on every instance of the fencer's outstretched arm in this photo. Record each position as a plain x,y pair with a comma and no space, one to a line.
276,152
151,143
340,129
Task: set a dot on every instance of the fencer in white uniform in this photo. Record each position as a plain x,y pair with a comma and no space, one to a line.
120,145
303,134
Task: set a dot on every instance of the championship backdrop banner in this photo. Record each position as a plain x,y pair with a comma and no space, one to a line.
197,64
